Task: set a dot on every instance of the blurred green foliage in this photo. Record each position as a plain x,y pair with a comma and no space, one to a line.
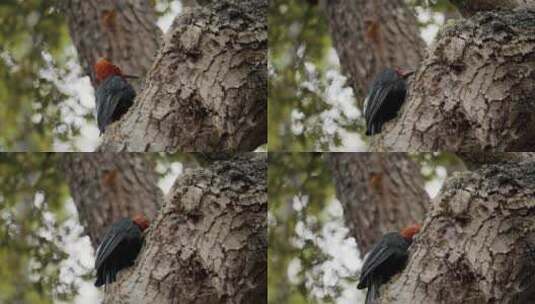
36,56
307,176
298,35
32,195
31,33
299,67
304,175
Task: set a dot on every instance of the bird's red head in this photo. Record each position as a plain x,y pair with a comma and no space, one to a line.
105,69
141,221
409,231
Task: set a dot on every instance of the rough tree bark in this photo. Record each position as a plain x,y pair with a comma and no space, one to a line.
209,241
475,160
470,7
206,89
108,186
379,193
372,35
478,242
475,90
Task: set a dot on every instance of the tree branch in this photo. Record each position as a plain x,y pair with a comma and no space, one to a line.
379,193
478,244
474,92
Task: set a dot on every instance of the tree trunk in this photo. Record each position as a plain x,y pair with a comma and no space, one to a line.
372,35
379,193
207,87
478,243
475,160
470,7
208,243
125,32
474,92
108,186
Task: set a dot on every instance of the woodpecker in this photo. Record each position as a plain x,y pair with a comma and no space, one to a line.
114,95
119,248
386,258
385,97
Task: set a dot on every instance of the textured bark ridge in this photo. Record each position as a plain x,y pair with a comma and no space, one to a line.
208,243
475,160
372,35
107,186
379,193
207,88
470,7
478,242
125,32
474,92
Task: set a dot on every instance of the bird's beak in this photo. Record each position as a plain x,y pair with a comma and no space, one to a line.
131,76
406,74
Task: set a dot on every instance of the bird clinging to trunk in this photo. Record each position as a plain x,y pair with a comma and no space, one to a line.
385,98
119,248
387,258
114,95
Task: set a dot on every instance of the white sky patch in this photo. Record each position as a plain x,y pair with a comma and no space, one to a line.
294,267
430,32
81,257
297,125
80,102
165,21
167,181
433,186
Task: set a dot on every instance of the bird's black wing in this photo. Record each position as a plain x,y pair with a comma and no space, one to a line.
378,255
376,102
114,89
117,233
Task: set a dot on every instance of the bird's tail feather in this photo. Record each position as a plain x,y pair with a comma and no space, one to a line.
100,279
371,295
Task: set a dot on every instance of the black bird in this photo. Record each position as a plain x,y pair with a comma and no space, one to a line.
386,258
119,248
113,96
385,97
